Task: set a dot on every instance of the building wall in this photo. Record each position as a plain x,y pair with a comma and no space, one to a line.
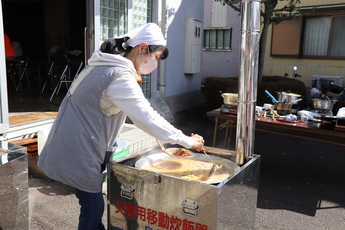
222,63
225,64
181,90
277,66
313,2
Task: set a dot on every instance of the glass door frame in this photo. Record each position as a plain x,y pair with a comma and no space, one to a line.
4,120
92,29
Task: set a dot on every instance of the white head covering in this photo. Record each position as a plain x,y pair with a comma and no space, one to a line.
149,33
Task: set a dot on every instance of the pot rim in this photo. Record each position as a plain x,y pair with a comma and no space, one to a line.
289,94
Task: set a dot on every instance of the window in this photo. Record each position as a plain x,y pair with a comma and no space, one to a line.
219,14
141,15
324,36
113,18
286,38
141,12
217,39
318,36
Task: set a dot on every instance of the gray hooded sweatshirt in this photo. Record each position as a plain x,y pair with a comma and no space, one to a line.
91,117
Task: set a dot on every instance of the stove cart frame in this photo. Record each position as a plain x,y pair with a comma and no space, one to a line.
140,199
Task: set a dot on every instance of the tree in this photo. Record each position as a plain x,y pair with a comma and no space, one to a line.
270,15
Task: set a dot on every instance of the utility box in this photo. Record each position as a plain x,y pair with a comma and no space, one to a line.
193,47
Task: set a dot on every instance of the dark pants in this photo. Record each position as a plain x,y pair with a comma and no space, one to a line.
91,210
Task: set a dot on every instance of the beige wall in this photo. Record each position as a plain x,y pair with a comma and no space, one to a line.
314,2
306,67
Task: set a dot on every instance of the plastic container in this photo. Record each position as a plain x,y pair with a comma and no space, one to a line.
122,153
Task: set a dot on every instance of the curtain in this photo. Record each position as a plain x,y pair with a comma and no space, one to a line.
338,37
316,36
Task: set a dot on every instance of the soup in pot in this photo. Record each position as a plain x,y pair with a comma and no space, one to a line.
190,169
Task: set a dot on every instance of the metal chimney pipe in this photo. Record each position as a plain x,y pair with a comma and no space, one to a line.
248,78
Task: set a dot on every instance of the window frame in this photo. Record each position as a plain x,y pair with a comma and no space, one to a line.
4,119
318,13
216,29
284,41
327,56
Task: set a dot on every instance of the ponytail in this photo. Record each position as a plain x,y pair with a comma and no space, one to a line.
116,46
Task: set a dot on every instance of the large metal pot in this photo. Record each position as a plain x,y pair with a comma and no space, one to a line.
230,98
326,105
288,97
283,108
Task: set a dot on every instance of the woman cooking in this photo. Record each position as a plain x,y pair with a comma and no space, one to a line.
93,112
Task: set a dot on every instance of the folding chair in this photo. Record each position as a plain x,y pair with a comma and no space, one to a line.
74,67
11,73
72,70
24,72
57,70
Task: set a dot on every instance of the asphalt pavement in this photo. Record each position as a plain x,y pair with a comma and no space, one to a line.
301,183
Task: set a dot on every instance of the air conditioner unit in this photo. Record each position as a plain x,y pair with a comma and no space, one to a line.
318,80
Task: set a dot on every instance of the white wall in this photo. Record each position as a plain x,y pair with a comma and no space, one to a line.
219,63
176,81
181,91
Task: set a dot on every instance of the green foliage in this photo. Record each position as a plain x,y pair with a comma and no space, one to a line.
275,15
213,86
270,14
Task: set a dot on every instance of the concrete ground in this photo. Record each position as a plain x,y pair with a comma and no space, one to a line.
301,183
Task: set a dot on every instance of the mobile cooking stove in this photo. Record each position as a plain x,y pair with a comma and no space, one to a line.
141,199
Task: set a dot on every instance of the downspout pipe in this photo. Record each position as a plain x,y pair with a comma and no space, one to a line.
248,79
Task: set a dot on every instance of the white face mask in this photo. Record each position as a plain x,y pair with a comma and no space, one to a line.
149,66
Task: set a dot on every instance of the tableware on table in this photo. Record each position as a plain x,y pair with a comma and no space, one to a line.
341,112
311,115
304,118
288,121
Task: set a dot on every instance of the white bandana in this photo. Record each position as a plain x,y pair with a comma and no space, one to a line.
149,33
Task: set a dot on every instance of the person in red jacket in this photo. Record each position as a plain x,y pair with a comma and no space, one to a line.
9,52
